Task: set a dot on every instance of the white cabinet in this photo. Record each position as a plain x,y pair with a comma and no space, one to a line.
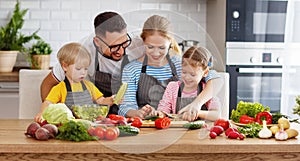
9,100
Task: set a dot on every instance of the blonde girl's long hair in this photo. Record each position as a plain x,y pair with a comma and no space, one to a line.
163,26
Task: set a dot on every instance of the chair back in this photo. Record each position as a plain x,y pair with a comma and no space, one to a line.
29,93
223,95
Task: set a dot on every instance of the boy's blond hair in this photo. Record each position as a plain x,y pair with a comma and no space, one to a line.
72,52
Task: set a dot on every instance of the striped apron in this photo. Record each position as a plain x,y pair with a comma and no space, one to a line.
77,98
150,90
181,102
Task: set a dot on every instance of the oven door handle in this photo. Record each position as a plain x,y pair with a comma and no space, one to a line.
260,70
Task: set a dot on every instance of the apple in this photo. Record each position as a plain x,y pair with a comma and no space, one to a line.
223,123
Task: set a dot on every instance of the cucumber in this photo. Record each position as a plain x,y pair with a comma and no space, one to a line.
128,130
152,118
193,125
120,93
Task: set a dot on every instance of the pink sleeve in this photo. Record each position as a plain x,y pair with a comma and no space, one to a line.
168,102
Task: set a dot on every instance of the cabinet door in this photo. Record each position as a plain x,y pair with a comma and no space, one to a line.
9,105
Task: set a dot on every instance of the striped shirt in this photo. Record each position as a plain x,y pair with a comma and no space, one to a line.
131,75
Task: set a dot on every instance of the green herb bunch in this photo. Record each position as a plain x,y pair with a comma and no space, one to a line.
74,131
250,130
40,48
10,36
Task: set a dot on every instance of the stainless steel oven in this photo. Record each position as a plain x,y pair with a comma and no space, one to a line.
256,20
255,74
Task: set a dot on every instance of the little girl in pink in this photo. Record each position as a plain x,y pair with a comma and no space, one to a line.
178,94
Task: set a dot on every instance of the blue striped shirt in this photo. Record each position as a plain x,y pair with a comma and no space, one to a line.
131,75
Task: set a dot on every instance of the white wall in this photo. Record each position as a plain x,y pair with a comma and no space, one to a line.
62,21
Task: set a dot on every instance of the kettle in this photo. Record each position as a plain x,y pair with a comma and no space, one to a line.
187,43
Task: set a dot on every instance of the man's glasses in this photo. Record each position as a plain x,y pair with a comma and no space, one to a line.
116,48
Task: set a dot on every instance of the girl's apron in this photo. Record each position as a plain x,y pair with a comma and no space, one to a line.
181,102
77,98
108,84
150,90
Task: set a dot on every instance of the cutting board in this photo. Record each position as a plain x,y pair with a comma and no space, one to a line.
147,123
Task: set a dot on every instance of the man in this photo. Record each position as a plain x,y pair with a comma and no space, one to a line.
108,56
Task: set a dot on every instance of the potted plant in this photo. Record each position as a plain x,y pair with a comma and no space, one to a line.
12,40
39,55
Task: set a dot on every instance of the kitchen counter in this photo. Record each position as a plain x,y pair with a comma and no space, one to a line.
150,144
11,76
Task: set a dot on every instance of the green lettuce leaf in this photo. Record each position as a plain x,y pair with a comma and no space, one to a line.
57,114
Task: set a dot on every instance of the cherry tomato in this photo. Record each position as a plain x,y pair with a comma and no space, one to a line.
137,122
100,132
111,133
162,123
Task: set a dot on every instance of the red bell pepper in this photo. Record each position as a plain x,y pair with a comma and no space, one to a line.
264,116
245,119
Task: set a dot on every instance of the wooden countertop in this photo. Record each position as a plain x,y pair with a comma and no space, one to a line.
151,143
11,76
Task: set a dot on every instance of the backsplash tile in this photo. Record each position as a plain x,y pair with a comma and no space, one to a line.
62,21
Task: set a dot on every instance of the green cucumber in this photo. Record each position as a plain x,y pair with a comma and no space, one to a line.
128,130
152,118
120,93
193,125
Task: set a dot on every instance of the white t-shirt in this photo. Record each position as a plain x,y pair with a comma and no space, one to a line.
134,51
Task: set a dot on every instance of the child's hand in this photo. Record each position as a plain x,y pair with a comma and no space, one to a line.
38,117
190,112
160,114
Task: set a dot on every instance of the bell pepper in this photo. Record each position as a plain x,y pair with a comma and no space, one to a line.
245,119
264,116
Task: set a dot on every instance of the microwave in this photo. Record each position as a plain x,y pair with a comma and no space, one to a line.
255,20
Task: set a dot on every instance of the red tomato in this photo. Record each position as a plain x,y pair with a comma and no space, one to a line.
162,123
91,131
137,122
111,133
222,122
100,132
129,119
117,117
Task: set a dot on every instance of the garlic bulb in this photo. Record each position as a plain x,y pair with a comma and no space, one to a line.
281,134
265,132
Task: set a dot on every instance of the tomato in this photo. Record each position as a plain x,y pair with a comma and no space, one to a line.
137,122
100,132
223,123
117,117
162,123
91,131
129,119
111,133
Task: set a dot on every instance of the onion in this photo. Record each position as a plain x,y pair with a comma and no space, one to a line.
52,130
42,134
32,128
